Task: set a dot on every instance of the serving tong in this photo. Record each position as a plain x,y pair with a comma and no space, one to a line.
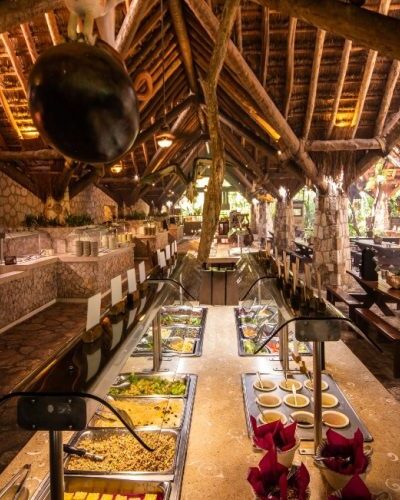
81,452
17,480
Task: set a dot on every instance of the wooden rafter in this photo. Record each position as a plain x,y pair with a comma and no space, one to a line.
344,64
291,40
265,46
387,97
312,95
7,110
362,26
239,34
346,145
15,62
52,26
178,21
242,152
136,12
30,42
249,81
15,12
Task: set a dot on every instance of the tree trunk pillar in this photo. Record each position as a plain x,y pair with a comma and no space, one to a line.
331,238
254,218
284,225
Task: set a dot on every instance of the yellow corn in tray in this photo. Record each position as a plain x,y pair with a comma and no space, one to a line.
166,413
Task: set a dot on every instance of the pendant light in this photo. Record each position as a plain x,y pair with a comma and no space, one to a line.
164,138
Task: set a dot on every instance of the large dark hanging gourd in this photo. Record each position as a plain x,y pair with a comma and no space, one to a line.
83,103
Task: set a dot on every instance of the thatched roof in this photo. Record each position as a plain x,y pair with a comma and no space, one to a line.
323,88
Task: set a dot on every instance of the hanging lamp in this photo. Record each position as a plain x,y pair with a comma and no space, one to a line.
164,138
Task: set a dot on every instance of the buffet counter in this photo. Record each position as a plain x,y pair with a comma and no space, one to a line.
29,286
176,231
220,451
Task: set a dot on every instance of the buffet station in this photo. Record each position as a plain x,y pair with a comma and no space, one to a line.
131,385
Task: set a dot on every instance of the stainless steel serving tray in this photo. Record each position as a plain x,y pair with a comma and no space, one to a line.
167,375
184,310
111,484
166,475
306,434
155,400
307,351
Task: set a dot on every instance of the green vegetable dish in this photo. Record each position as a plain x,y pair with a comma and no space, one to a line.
150,386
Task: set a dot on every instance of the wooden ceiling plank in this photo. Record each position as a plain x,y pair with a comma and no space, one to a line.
9,113
291,41
312,95
239,33
16,64
344,64
387,97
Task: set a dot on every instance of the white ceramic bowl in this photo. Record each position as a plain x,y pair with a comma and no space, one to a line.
269,416
288,385
269,400
308,384
268,385
303,418
335,419
329,400
298,401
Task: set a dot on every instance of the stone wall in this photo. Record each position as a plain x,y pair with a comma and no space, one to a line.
16,202
32,290
92,201
283,225
331,238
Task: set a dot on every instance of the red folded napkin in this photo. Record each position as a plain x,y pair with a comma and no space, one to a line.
274,434
269,480
355,489
339,447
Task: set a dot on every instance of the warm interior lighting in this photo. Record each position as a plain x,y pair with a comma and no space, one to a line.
116,169
165,139
136,178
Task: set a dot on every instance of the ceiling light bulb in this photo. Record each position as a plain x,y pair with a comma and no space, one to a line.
116,169
136,177
165,139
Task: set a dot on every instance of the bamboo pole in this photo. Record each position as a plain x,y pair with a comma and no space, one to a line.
387,97
291,39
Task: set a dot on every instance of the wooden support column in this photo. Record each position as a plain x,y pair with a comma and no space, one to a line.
212,201
331,238
312,95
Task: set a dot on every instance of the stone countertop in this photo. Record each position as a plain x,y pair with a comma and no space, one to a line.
220,451
148,236
17,271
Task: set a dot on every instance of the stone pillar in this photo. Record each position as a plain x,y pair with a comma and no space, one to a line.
265,222
381,211
331,238
283,225
254,218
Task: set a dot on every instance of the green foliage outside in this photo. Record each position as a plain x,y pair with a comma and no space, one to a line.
32,220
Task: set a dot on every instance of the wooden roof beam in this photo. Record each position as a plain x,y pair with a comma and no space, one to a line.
245,156
291,40
364,27
344,64
30,42
239,34
136,13
387,97
13,13
52,26
312,95
346,145
265,46
249,81
40,154
180,28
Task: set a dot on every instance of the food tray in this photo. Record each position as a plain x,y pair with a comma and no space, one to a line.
307,434
165,375
110,484
166,475
185,310
305,348
155,400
